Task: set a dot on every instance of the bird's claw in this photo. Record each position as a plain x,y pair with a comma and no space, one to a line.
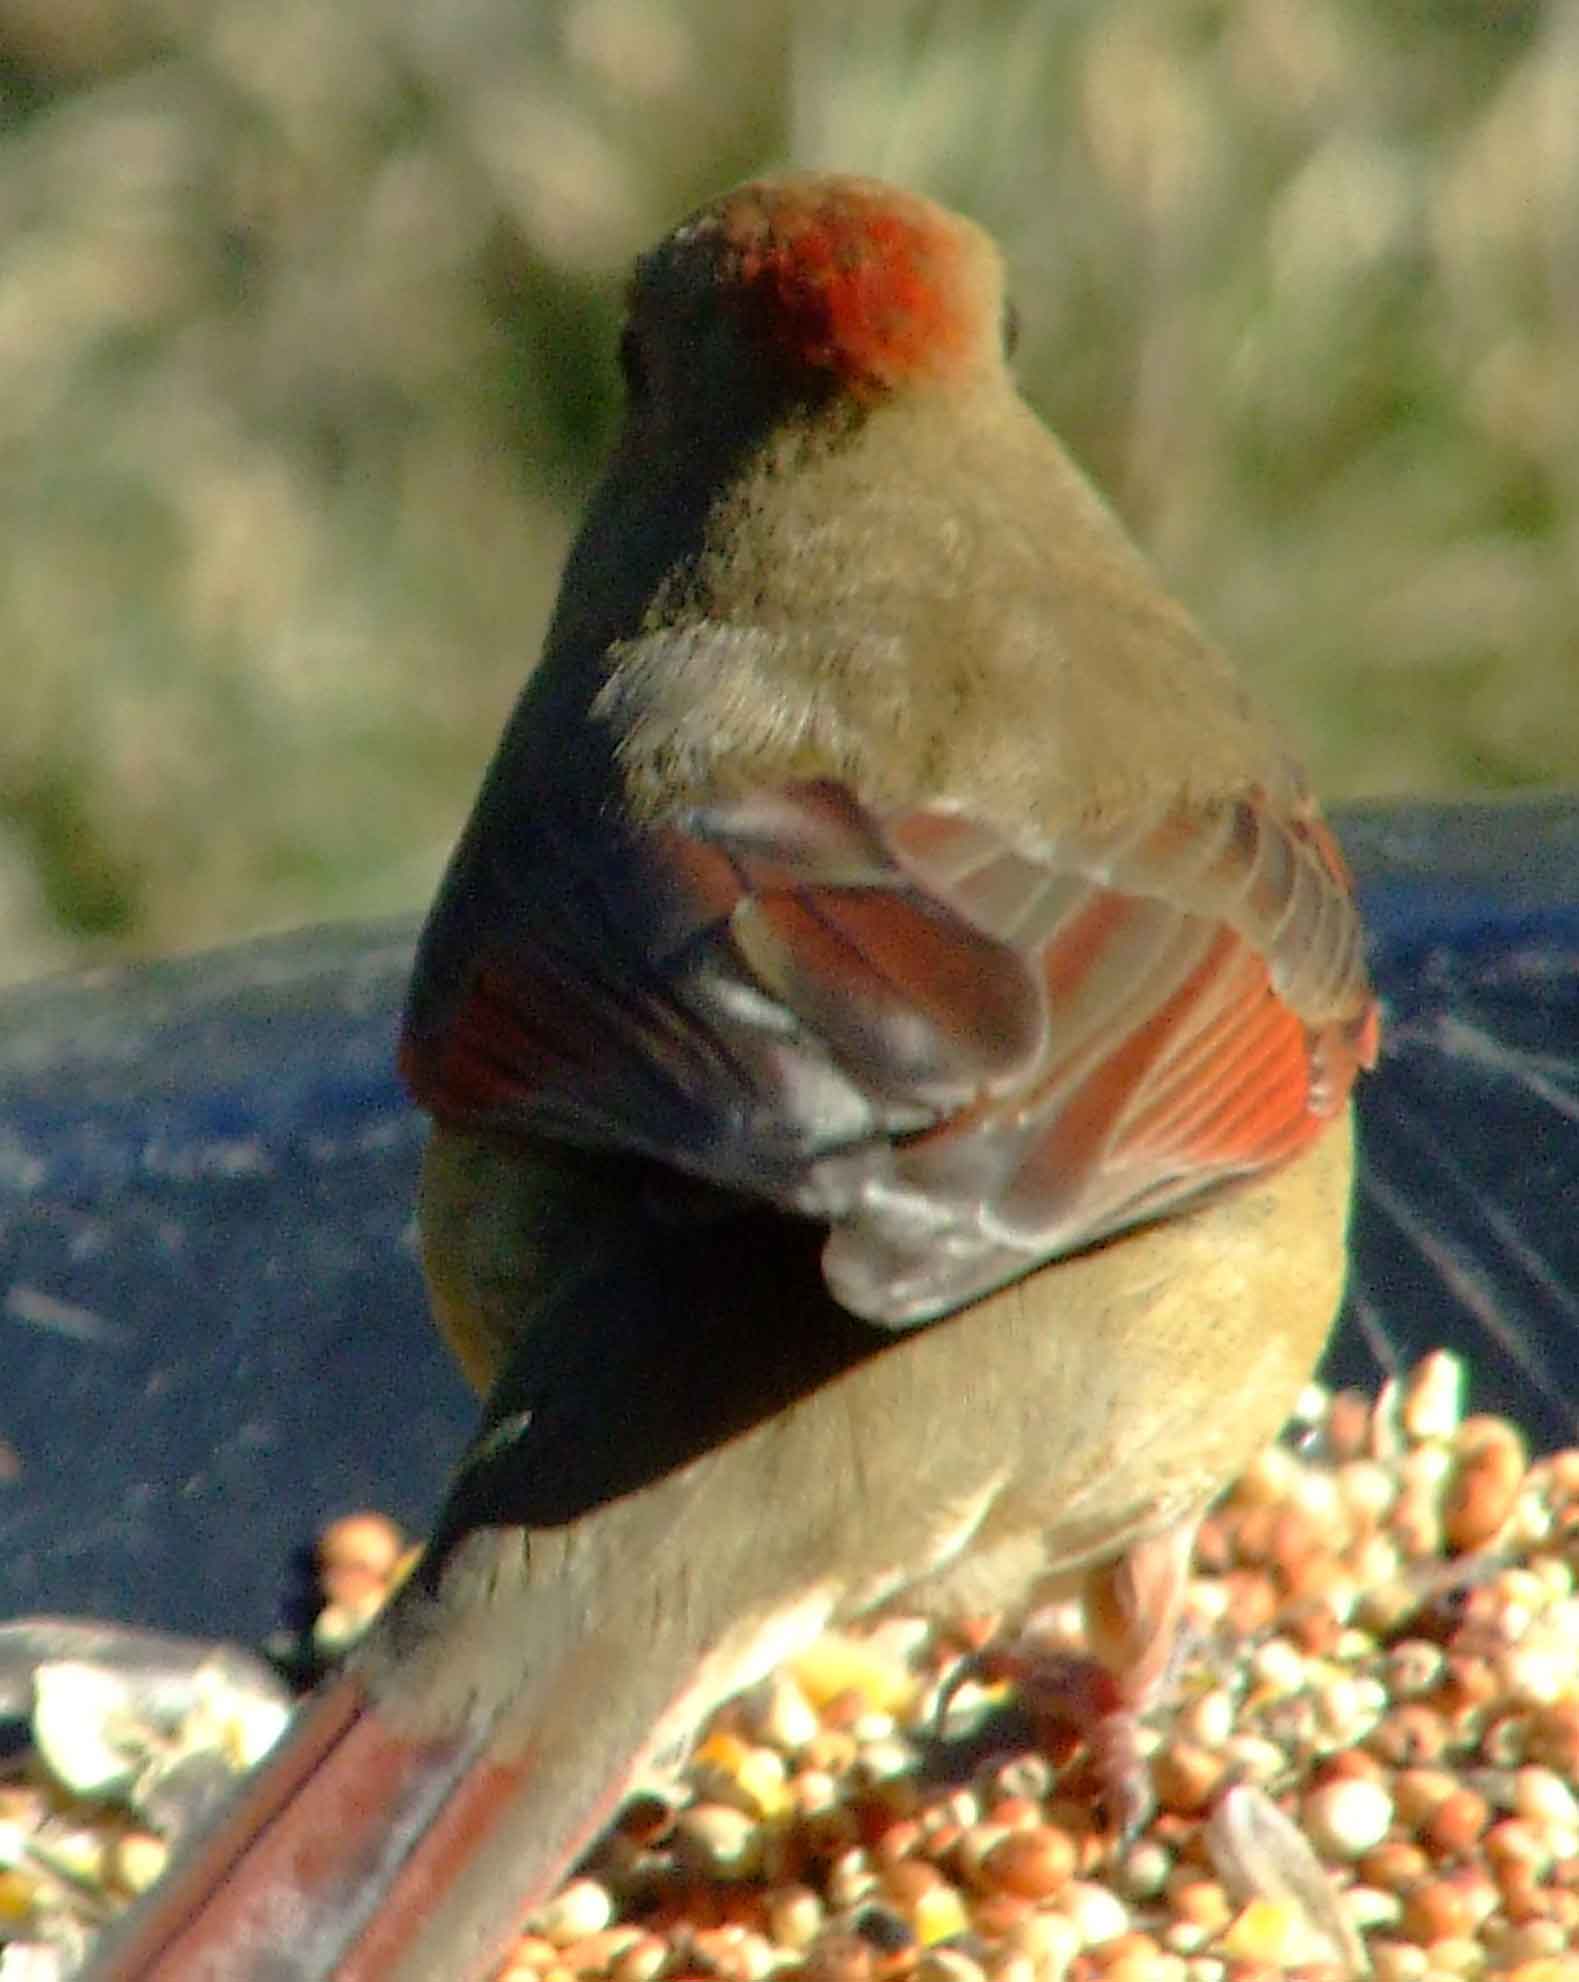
1070,1697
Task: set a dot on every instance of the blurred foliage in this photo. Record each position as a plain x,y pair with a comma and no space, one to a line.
306,331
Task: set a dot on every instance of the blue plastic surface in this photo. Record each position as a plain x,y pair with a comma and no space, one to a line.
212,1331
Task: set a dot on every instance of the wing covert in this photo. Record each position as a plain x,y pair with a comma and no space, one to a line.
967,1056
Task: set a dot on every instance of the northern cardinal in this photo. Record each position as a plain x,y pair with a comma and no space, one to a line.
889,1026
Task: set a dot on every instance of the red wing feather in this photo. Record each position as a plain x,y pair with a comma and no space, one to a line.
967,1056
897,987
1204,1011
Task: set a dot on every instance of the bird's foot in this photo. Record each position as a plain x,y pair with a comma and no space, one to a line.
1072,1699
1132,1607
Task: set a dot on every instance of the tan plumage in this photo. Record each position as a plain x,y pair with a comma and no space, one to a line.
889,1024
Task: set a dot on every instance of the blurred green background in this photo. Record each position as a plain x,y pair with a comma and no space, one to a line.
306,333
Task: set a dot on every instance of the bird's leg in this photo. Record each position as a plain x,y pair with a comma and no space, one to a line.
1132,1607
1132,1610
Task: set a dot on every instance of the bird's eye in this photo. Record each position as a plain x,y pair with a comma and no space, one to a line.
633,362
1010,328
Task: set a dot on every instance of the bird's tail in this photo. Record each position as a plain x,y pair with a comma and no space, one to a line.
374,1847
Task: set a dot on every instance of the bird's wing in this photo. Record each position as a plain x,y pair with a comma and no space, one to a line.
967,1057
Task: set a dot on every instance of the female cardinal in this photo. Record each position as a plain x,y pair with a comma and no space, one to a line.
889,1026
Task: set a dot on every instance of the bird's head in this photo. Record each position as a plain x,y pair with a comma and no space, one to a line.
813,288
